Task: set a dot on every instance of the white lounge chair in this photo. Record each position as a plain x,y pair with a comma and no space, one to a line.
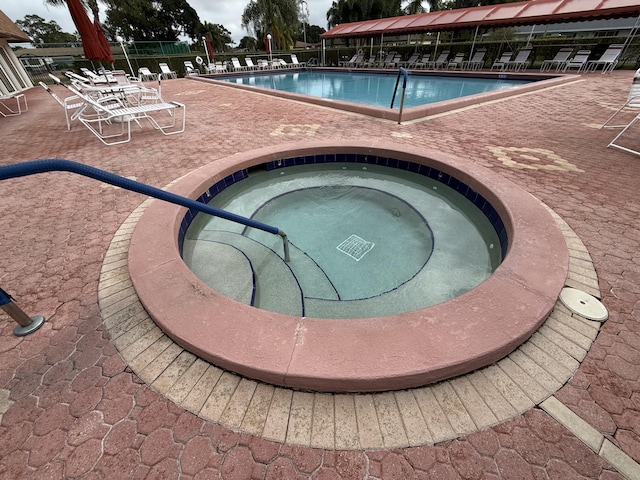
520,62
558,61
102,79
189,69
504,58
456,61
166,72
423,62
579,61
70,104
146,74
353,61
103,118
477,61
607,61
235,63
9,111
295,62
411,60
250,64
632,102
441,61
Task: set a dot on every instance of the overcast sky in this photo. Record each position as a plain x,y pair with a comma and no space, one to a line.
225,12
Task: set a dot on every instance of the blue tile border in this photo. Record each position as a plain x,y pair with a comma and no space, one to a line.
474,197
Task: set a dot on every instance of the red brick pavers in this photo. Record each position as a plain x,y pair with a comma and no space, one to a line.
76,411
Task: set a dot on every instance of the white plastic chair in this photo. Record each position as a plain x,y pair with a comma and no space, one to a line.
17,96
146,74
69,104
166,72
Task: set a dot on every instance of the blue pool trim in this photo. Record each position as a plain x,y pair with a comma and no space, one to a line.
433,173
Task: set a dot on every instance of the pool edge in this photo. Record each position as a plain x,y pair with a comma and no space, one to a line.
296,352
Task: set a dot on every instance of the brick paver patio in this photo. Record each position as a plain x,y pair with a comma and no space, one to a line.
71,407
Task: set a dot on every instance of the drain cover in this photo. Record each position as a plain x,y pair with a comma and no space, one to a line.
355,247
583,304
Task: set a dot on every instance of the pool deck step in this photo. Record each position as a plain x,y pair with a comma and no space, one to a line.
265,279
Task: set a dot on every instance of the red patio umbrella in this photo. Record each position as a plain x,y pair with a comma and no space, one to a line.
104,44
88,33
209,49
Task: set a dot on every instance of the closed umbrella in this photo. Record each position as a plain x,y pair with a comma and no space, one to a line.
87,31
209,49
104,44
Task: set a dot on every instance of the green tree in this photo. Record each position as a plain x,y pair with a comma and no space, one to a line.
219,36
347,11
160,20
92,5
40,31
280,18
412,7
248,43
312,33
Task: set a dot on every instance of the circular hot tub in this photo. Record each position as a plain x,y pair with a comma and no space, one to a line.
375,353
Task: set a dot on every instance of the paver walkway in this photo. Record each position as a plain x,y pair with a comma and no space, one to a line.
72,408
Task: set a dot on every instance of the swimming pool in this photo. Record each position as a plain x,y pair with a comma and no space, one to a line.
357,95
375,88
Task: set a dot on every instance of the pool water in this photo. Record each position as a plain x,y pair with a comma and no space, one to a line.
366,240
375,89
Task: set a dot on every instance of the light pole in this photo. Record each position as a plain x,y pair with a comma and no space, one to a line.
305,19
124,50
269,40
206,51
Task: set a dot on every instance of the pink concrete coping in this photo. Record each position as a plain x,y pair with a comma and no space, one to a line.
354,355
413,113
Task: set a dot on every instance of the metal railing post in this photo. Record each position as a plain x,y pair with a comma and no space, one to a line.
26,324
402,71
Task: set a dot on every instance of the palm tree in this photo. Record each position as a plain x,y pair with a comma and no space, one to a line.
277,17
90,4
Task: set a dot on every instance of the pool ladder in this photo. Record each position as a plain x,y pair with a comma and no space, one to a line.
402,71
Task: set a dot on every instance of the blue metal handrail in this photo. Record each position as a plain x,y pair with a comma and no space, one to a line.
56,164
402,71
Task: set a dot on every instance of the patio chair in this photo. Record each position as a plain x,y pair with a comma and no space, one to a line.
423,62
103,116
622,132
250,64
520,62
146,74
477,61
382,63
95,79
69,104
632,102
370,62
189,69
412,60
357,58
17,96
607,61
394,62
504,58
441,61
558,61
295,62
166,72
456,61
579,61
235,63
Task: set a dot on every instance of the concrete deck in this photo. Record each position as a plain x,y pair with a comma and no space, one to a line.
100,392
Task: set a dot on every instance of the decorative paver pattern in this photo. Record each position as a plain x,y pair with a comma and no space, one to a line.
76,410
